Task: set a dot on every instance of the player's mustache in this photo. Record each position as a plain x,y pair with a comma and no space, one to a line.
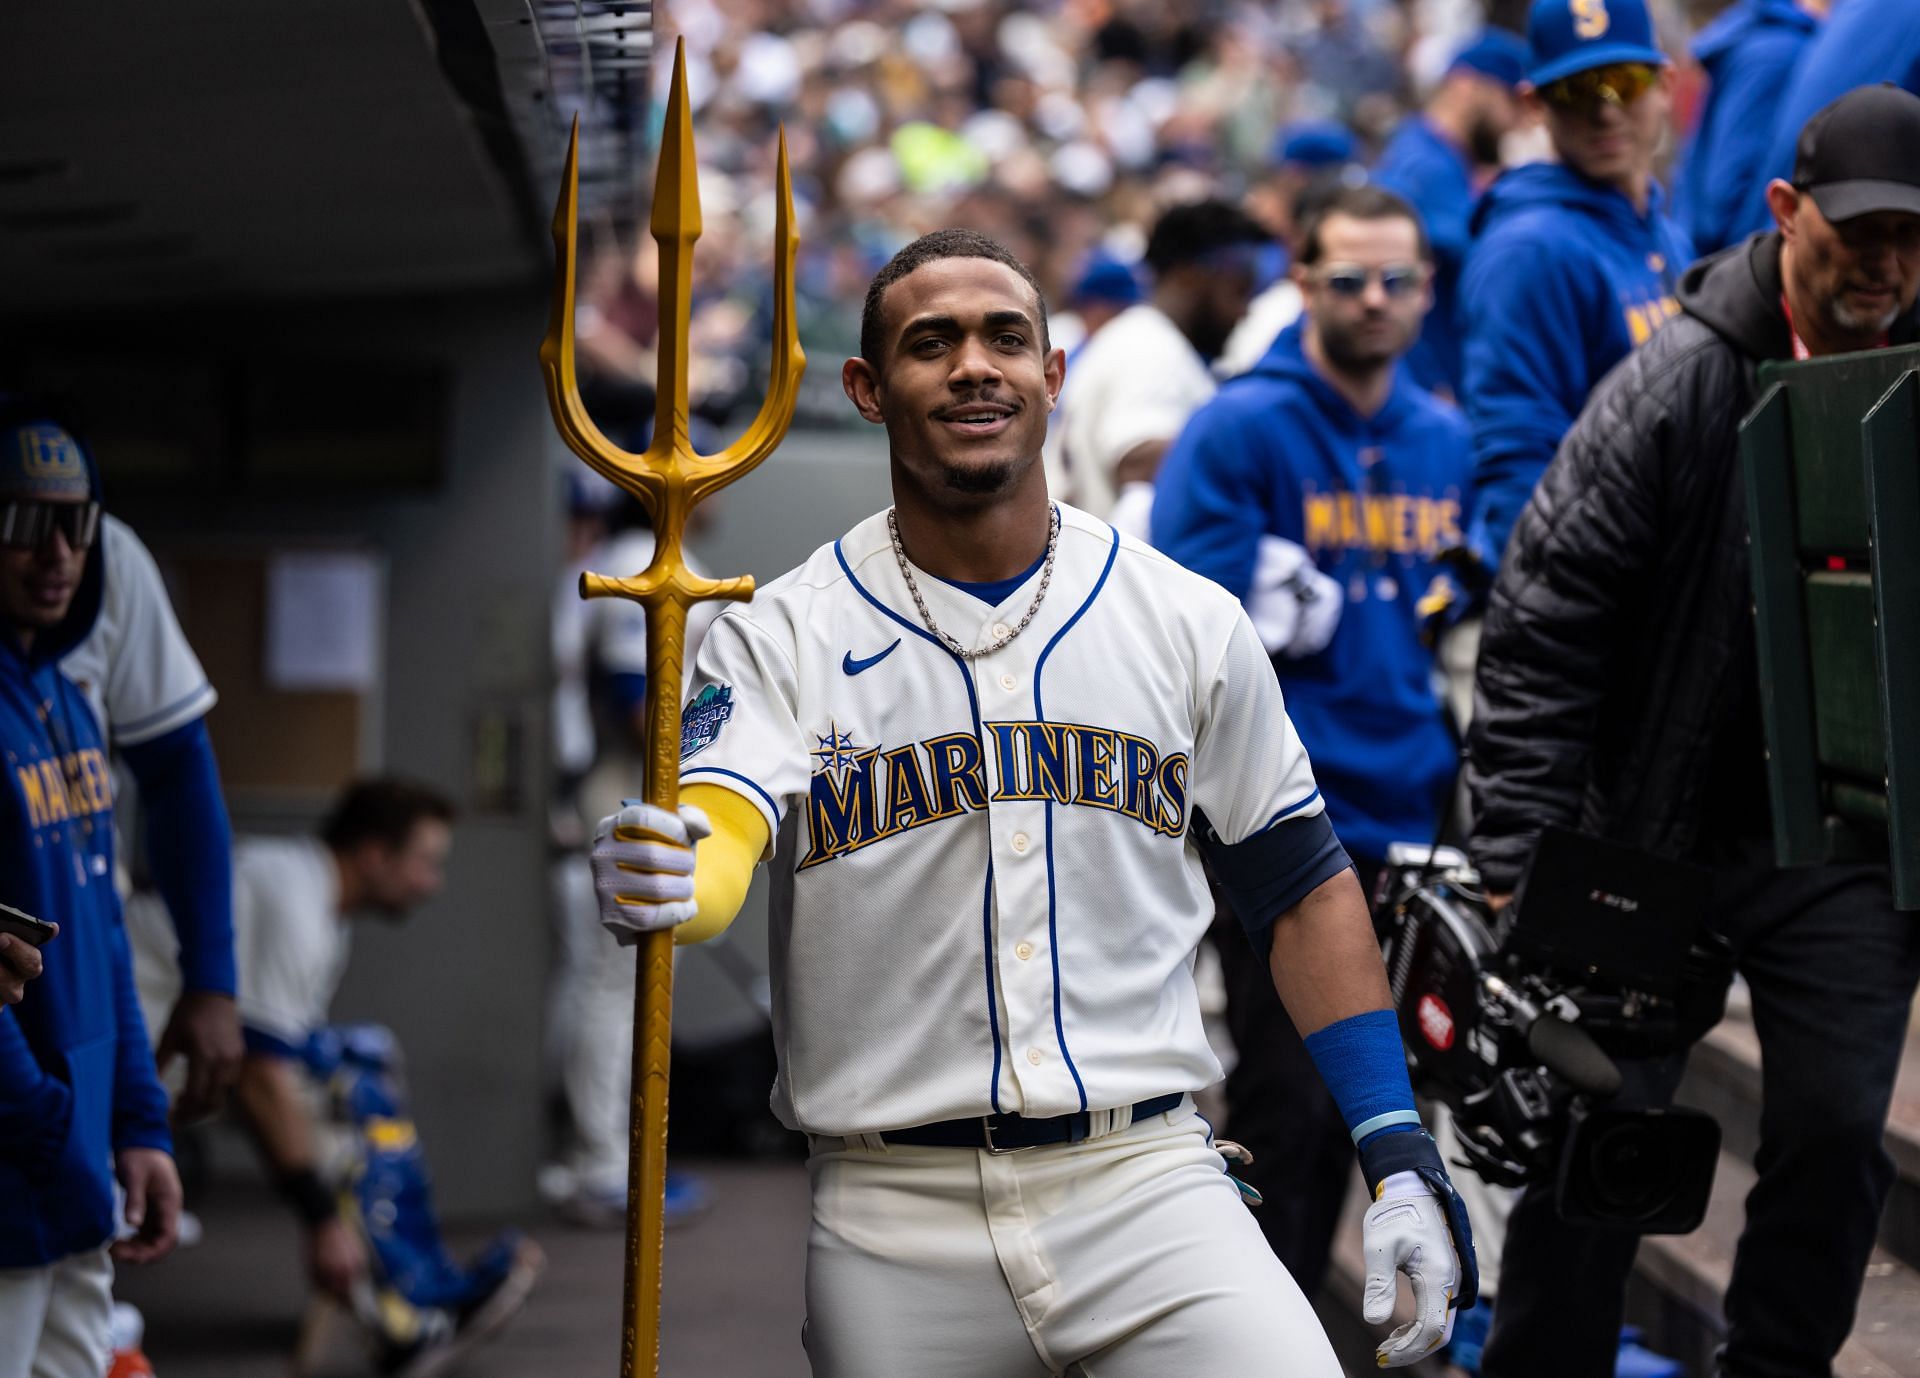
981,402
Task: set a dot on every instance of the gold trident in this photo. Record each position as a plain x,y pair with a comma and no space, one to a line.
669,479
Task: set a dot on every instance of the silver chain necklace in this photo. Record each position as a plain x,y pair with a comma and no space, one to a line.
1039,594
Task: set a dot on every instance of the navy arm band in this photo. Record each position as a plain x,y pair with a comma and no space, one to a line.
1273,870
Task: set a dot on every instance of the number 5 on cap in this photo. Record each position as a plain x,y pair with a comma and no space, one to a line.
1590,18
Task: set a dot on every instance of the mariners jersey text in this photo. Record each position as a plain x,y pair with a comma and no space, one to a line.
862,799
77,785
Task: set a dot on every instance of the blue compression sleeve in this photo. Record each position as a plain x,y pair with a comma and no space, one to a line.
1364,1066
190,850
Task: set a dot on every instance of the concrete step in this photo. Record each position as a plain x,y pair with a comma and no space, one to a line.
1680,1279
1723,1078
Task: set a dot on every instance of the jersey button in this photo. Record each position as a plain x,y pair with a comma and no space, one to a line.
1021,842
1024,951
1008,681
1034,1055
1000,629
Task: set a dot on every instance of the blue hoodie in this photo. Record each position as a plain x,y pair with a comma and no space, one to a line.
1749,53
1433,176
1564,279
1374,500
1864,42
77,1079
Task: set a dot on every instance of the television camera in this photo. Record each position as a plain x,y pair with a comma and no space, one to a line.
1516,1020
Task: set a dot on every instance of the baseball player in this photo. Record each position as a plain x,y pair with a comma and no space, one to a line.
145,685
984,741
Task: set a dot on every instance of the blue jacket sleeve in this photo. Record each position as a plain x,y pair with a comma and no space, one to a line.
1725,165
1865,42
1210,499
190,850
139,1101
35,1109
1525,374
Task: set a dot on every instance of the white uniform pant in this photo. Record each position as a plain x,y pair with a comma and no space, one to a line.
1129,1256
56,1321
591,1028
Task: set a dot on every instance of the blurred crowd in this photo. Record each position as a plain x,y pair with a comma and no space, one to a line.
1063,129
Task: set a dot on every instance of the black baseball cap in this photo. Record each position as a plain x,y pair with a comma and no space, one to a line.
1857,154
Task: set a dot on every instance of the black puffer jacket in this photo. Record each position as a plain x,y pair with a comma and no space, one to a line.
1616,690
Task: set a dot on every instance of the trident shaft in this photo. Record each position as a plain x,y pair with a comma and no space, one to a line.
669,480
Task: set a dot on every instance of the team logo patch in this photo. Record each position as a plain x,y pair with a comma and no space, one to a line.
700,724
47,463
1436,1021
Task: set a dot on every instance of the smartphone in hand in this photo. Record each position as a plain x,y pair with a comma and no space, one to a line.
23,925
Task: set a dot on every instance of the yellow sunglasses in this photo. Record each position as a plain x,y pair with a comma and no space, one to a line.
1618,83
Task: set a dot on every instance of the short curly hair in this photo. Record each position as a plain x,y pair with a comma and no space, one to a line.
382,809
930,248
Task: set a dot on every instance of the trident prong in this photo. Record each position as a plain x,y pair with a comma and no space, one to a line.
669,480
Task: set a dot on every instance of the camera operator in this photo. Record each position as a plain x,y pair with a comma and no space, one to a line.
1618,691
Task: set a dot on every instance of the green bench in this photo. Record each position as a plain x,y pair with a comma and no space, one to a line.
1832,456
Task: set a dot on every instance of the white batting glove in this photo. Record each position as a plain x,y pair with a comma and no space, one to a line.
1292,605
1406,1231
643,868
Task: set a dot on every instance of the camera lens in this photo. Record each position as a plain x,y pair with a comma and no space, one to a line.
1633,1174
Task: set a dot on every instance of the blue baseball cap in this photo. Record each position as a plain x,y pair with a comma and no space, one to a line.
1105,278
1496,54
1569,36
1313,144
41,460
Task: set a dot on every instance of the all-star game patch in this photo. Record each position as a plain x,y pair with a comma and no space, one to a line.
700,724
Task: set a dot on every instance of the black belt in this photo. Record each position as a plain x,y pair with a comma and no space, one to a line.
1010,1133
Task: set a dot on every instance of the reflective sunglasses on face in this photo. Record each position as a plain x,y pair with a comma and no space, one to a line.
1350,279
1618,83
26,524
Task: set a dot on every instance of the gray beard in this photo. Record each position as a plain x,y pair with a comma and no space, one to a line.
1854,323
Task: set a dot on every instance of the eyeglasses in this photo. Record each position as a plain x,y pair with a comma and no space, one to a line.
1618,83
1351,280
27,524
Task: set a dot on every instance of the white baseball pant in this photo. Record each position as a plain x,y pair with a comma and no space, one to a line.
56,1321
1128,1256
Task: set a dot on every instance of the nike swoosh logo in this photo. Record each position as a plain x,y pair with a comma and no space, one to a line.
854,667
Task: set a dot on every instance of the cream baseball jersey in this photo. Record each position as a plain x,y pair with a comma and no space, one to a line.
984,894
135,666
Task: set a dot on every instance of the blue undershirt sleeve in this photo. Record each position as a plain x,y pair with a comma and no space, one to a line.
190,850
1270,872
628,690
